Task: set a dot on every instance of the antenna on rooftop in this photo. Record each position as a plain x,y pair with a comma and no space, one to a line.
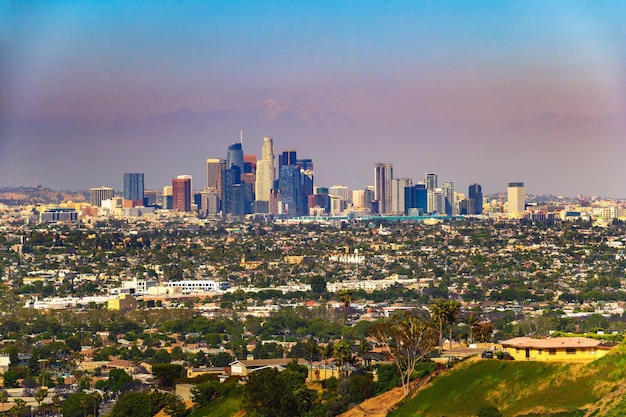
241,137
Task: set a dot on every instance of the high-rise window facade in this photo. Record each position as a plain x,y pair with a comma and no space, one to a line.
516,197
383,174
475,196
416,197
181,194
265,176
289,184
96,195
430,180
133,186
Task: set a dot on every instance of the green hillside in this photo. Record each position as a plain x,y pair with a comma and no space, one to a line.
226,407
526,389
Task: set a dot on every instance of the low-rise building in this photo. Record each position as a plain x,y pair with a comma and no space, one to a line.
557,349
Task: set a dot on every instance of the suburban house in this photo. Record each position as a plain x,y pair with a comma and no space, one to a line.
558,349
246,367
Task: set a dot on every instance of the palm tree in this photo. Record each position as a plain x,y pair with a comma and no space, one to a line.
312,348
472,321
345,297
363,350
453,309
440,316
343,358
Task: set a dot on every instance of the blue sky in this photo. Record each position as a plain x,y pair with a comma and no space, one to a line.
82,66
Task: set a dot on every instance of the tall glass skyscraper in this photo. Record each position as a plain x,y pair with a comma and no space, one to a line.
475,196
290,184
416,197
133,186
235,157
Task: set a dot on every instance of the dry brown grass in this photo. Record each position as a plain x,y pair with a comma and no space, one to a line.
378,406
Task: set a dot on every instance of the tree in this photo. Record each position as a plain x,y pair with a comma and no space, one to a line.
483,332
10,379
407,338
222,359
318,284
343,357
73,343
361,387
271,393
345,297
453,309
16,410
161,356
56,403
40,395
117,379
205,393
175,406
312,349
472,321
4,398
77,404
167,373
439,314
139,404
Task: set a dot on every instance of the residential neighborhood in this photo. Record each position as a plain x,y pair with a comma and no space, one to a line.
161,301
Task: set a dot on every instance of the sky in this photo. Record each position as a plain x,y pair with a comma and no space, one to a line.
477,91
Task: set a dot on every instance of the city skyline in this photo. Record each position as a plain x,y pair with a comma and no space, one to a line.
477,92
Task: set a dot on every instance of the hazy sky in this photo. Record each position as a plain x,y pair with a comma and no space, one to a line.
486,92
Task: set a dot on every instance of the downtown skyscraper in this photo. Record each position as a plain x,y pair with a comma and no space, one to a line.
133,187
265,176
383,174
181,193
475,196
516,198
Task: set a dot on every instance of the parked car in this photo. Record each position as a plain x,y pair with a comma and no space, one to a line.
505,356
487,354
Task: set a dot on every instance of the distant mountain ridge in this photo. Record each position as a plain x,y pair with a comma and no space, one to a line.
39,195
268,114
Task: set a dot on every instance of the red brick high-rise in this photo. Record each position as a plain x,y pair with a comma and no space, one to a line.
181,194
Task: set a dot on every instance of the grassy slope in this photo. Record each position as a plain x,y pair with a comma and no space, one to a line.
524,388
227,407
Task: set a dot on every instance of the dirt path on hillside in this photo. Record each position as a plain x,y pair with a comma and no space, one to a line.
377,406
382,404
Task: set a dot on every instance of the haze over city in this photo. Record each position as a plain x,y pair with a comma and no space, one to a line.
483,92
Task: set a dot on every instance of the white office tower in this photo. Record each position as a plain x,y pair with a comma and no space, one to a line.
430,179
336,205
448,195
516,198
340,191
436,201
265,176
397,193
383,173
